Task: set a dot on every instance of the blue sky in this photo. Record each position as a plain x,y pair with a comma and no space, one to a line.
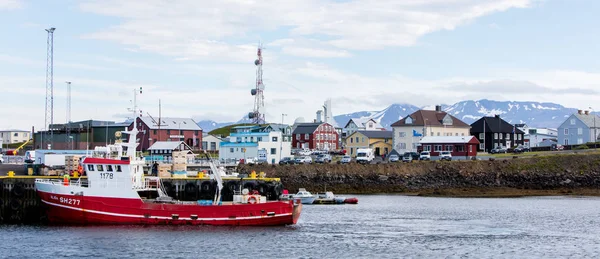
197,57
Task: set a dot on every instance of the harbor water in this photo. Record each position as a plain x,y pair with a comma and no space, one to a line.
380,226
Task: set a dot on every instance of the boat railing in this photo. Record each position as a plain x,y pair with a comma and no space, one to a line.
77,182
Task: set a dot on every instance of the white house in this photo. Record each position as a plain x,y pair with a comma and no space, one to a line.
244,145
211,142
166,148
14,136
408,131
355,125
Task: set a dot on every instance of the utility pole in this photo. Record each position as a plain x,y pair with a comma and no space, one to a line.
69,114
49,119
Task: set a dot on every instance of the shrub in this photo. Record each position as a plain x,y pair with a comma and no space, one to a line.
582,147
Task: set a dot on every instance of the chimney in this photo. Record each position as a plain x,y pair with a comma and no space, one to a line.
587,112
579,112
497,116
319,116
438,108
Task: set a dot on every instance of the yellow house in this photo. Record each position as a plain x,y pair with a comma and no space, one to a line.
379,140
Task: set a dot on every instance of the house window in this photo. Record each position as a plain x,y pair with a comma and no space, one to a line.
305,136
168,132
455,135
333,146
297,136
356,139
427,148
258,139
213,145
566,142
230,150
462,134
386,140
507,136
566,131
459,148
519,136
481,146
100,168
438,133
402,134
297,145
351,140
273,151
363,139
579,141
351,150
572,121
495,135
437,148
274,139
402,146
481,136
579,131
449,148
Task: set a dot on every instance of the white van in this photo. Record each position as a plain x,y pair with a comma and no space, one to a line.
30,156
364,155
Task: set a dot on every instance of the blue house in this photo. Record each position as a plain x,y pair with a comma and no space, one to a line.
579,128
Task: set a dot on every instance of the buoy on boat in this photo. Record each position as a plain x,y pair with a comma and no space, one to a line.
351,200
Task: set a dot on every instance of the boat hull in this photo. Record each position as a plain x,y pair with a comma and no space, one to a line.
86,210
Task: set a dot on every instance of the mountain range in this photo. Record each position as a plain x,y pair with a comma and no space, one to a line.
534,114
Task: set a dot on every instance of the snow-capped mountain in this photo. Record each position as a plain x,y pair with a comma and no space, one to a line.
385,117
534,114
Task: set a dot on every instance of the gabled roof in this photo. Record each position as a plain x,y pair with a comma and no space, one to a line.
306,128
362,122
433,119
169,145
374,134
495,125
588,120
171,123
449,140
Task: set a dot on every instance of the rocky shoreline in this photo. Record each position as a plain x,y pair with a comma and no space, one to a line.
572,174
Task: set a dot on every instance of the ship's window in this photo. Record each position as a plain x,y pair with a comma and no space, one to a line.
109,168
118,168
90,167
100,168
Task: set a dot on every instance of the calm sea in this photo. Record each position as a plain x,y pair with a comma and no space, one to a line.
380,226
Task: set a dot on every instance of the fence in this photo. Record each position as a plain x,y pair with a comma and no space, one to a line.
14,159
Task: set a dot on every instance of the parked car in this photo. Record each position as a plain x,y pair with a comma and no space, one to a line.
498,150
323,158
393,158
346,160
521,149
415,155
407,157
425,155
304,160
287,161
446,155
1,159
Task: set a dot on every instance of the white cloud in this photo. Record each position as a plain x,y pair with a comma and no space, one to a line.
193,29
11,4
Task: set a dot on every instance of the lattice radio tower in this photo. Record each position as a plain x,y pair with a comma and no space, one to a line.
49,119
258,114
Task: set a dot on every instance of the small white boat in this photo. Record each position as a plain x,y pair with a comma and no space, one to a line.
305,196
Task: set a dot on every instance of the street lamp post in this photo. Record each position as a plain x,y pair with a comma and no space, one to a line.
595,127
281,140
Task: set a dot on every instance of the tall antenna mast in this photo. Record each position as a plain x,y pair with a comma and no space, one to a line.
69,114
258,113
49,119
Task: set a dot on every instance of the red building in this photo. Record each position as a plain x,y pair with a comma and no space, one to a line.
169,129
460,146
320,136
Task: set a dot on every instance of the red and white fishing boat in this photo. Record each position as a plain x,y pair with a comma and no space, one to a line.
111,196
